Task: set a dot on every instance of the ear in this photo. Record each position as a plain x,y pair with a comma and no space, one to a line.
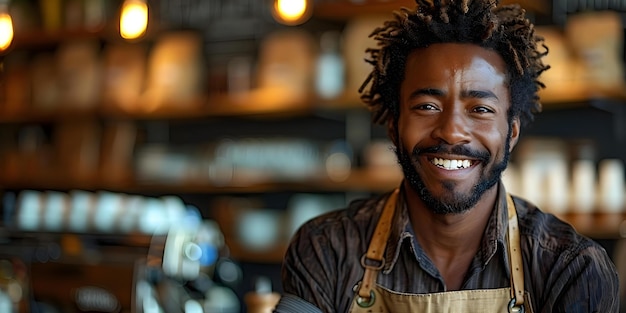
515,132
392,131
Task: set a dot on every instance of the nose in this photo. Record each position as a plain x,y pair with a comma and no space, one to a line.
452,127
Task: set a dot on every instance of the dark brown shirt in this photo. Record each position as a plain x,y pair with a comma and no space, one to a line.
563,270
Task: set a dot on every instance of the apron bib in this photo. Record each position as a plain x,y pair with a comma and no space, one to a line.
372,298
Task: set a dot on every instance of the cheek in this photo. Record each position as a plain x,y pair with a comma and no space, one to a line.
495,139
409,135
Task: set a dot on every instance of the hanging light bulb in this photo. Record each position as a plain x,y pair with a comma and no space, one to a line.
133,19
291,12
6,27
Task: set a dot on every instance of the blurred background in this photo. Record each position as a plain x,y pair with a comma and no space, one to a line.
157,155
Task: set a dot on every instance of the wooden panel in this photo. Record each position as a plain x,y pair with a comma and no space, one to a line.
61,284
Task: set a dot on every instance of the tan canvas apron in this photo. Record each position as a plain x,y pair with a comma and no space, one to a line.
373,298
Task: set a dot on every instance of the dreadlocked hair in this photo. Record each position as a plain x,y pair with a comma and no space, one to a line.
504,29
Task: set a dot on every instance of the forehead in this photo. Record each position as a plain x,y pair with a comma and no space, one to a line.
443,61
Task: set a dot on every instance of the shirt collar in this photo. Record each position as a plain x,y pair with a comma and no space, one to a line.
494,237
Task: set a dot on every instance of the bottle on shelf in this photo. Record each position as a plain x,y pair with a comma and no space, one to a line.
330,68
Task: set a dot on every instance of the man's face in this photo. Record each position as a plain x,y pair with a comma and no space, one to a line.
453,137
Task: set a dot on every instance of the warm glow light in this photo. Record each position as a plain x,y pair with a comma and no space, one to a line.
291,12
6,31
134,19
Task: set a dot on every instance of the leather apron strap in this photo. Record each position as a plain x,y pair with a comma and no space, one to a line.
515,255
373,261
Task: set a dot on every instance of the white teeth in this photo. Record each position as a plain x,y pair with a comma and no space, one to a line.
451,164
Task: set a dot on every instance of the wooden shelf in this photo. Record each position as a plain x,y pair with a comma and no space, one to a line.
344,9
41,38
598,225
202,107
557,96
359,180
273,254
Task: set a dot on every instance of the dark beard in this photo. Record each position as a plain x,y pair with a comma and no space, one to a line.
455,203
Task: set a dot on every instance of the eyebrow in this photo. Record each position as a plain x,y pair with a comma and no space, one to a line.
427,92
479,94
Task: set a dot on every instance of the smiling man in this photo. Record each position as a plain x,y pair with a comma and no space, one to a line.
454,81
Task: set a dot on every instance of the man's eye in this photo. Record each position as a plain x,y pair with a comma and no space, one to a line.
424,106
482,109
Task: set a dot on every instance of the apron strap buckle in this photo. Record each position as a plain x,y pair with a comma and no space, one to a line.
364,302
372,264
514,308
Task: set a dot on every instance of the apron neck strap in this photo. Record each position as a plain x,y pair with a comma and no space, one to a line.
373,260
515,254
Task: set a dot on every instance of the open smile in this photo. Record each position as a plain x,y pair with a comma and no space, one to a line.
452,164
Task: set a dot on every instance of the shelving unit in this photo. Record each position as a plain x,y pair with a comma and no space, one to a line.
210,117
597,225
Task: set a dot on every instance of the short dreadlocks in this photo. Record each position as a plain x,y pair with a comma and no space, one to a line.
504,29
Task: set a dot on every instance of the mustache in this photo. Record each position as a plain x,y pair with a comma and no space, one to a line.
460,150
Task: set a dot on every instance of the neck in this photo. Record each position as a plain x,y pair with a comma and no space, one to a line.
450,232
451,240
